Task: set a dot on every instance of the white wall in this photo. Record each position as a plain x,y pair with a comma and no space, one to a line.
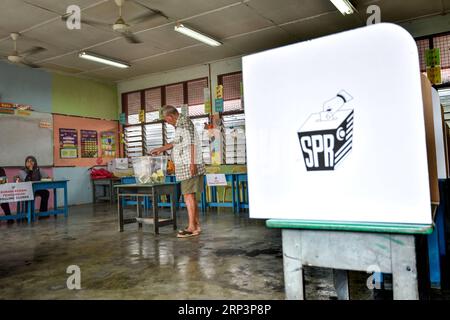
179,75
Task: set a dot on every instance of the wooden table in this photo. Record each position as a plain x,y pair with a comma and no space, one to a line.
359,247
153,191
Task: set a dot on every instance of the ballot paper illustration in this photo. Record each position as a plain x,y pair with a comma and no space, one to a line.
326,138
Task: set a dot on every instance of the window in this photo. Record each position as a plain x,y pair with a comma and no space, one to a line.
422,45
231,91
153,137
235,145
133,141
140,138
199,124
175,95
233,118
196,98
133,101
153,101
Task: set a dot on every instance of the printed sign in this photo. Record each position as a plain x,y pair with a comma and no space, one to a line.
207,100
45,124
14,192
218,105
433,57
108,142
434,74
184,110
68,143
326,137
123,119
89,144
433,63
142,116
219,92
214,180
68,153
24,113
342,147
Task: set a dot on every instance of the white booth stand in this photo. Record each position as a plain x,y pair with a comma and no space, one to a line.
341,154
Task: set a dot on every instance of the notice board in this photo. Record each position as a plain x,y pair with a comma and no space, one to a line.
79,135
26,133
336,131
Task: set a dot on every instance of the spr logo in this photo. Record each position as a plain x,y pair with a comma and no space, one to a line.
326,138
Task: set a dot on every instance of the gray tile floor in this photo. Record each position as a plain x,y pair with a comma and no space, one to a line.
234,258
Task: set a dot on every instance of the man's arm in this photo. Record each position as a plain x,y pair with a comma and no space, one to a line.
160,150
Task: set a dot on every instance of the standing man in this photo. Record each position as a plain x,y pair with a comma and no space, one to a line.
189,166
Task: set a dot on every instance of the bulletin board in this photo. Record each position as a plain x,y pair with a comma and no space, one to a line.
85,129
26,133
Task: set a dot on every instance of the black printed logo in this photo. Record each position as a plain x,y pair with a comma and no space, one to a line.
326,138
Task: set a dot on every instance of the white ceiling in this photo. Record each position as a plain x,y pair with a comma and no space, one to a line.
243,26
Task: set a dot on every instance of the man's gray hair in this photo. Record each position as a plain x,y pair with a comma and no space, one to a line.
169,111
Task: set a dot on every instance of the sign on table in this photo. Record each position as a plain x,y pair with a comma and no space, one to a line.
14,192
215,180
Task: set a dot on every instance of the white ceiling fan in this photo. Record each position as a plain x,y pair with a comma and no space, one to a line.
119,26
20,57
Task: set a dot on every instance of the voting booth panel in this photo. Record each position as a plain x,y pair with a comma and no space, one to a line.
439,125
339,128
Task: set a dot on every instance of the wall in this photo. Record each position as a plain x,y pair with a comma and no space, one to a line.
80,123
428,26
56,93
79,187
189,73
81,97
24,85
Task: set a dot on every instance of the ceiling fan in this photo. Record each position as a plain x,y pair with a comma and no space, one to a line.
20,57
119,26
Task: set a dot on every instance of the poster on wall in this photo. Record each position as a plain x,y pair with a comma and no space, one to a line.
108,142
89,144
68,143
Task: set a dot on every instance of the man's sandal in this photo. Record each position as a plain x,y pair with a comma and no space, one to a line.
198,231
186,234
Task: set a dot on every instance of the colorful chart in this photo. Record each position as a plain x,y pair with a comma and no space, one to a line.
68,143
108,141
89,144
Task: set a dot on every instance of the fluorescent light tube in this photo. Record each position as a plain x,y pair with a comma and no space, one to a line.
196,35
344,6
104,60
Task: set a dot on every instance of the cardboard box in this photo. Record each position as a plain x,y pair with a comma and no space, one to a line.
117,164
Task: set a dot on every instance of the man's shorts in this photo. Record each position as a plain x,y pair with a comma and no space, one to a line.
192,185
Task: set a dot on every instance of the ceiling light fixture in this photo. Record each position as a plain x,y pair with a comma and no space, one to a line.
104,60
344,6
196,35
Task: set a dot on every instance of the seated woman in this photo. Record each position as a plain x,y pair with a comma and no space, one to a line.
32,172
5,206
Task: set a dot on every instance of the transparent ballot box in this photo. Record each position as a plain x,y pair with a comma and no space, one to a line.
150,169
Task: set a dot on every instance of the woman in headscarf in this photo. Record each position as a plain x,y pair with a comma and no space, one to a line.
32,172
